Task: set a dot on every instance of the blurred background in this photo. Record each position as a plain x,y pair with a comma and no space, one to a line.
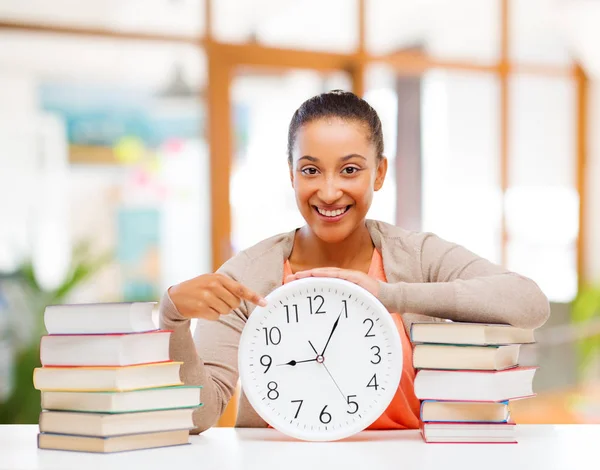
143,142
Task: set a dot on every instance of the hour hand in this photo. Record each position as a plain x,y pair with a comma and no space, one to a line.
293,363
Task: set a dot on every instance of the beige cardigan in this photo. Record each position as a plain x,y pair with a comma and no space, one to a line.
427,276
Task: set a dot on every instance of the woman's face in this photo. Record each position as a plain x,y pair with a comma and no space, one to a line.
334,173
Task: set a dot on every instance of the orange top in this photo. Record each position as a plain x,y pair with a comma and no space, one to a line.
404,409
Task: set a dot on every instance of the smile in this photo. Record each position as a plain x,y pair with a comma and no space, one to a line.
334,214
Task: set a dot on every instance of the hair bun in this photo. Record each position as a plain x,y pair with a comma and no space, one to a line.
341,104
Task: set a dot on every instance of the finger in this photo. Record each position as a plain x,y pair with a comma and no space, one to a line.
217,304
243,292
347,274
318,272
211,315
231,300
355,277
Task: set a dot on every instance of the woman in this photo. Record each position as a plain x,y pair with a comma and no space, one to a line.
336,162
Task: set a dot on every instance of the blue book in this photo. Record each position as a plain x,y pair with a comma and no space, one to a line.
464,411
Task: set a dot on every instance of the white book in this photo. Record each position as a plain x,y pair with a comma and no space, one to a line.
469,432
100,379
469,333
470,385
105,350
464,411
98,424
114,443
99,318
448,356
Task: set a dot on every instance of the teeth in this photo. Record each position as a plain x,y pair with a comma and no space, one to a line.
331,213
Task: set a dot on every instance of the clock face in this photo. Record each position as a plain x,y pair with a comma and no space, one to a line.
322,360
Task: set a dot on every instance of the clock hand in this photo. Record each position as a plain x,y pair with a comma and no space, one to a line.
331,334
336,384
314,349
293,363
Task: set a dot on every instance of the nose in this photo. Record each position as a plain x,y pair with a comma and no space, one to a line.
329,192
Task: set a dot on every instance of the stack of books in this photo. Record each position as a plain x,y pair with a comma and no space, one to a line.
107,382
467,373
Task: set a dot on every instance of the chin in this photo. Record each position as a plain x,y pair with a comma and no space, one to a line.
332,234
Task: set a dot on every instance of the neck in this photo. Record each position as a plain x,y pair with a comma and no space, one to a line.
351,253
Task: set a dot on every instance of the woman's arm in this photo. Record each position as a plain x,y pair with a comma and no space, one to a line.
218,375
461,286
210,359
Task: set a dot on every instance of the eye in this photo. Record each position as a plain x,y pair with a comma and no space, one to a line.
350,170
311,170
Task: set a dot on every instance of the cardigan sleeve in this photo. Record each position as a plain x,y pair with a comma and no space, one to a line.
210,358
461,286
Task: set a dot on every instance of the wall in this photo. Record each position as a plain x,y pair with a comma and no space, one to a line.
593,186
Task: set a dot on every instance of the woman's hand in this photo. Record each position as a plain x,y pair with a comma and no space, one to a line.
211,295
357,277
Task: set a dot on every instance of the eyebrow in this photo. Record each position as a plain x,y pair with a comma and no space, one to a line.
347,157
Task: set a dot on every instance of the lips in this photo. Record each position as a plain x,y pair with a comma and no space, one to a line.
333,214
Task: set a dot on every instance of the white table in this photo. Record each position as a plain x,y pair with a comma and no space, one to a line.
540,447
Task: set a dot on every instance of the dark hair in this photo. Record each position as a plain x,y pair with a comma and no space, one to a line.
340,104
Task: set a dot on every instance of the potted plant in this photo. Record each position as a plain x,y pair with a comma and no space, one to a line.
584,310
23,403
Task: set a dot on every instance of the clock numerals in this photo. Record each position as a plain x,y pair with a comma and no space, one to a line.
266,358
272,394
287,312
325,417
376,355
368,334
310,302
299,406
373,382
272,336
345,308
353,403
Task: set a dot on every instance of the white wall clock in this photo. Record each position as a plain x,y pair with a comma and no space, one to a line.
322,360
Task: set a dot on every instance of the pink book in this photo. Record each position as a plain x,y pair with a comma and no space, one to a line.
469,385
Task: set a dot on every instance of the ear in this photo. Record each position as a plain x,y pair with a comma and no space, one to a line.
381,171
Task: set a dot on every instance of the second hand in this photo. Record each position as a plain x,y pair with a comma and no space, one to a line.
327,370
336,384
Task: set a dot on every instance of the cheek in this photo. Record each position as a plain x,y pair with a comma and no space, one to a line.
303,190
361,190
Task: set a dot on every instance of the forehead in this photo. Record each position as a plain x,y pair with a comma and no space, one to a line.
332,137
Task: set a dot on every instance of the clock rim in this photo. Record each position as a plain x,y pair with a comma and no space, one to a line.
343,432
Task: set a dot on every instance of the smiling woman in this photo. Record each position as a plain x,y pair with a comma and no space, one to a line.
335,156
336,164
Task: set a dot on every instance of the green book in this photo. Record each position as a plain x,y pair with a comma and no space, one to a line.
151,399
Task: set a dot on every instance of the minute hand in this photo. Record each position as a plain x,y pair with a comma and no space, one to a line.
331,334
